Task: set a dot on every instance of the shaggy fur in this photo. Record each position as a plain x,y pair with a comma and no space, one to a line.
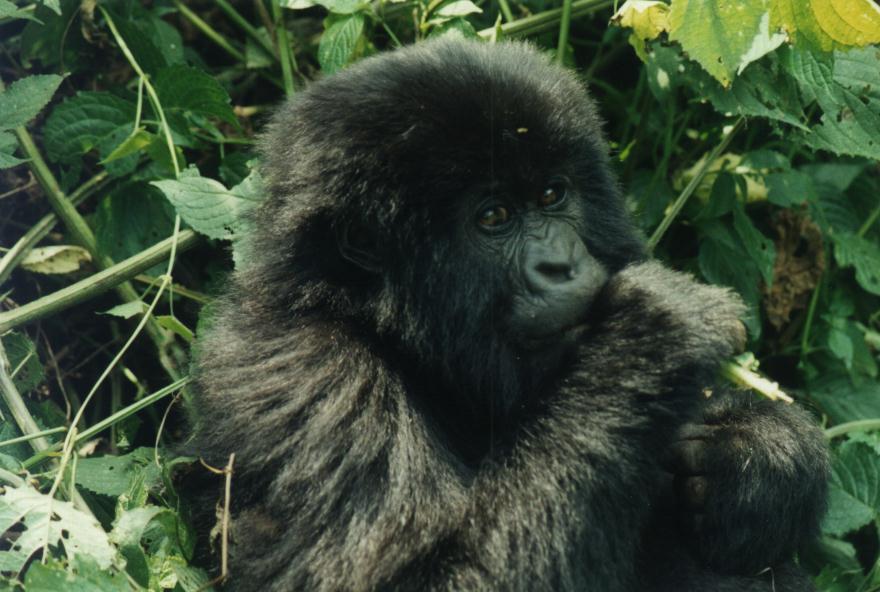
389,436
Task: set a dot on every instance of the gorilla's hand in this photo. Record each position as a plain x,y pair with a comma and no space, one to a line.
679,327
750,481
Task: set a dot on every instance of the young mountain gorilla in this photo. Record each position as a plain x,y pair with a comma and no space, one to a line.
448,365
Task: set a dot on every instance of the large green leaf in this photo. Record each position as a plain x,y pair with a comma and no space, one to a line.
85,122
208,206
854,498
723,36
846,86
339,42
112,475
189,89
824,25
132,218
83,576
851,250
25,98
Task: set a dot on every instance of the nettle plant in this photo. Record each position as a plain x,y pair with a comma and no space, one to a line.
747,135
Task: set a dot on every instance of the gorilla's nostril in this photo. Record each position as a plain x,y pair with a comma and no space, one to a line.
555,271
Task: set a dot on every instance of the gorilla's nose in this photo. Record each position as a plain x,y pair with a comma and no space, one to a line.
553,265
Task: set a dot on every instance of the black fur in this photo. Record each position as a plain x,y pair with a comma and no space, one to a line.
363,408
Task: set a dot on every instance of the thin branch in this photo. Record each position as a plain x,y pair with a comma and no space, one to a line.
97,284
678,204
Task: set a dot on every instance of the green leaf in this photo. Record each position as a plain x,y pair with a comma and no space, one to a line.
84,122
824,25
154,43
760,249
112,475
11,11
854,492
457,26
188,89
127,310
724,37
723,260
132,218
8,144
842,399
762,91
86,576
846,86
27,370
174,325
51,521
206,205
25,98
339,42
790,188
135,142
56,259
851,250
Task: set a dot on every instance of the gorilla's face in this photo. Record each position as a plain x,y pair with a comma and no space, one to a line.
535,231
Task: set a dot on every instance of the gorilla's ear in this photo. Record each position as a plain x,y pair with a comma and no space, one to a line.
358,245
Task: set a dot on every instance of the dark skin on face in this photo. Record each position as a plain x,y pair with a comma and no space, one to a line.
536,233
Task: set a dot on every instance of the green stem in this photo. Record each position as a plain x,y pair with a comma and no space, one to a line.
33,436
245,26
564,28
808,323
120,415
862,425
545,21
96,284
284,51
505,10
208,31
869,222
679,202
18,409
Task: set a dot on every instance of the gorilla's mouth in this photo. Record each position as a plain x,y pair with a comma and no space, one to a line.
562,336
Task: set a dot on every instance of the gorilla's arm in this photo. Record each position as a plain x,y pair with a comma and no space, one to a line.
753,478
365,494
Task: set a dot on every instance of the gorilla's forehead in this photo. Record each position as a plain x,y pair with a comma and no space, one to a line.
440,113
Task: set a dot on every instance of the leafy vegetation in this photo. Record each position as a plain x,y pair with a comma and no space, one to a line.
747,136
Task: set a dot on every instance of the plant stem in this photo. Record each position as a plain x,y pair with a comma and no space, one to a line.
545,21
96,284
17,408
111,420
679,202
564,27
862,425
284,52
872,217
245,26
209,31
505,10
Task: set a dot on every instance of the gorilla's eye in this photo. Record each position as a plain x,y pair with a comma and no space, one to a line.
553,195
494,216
